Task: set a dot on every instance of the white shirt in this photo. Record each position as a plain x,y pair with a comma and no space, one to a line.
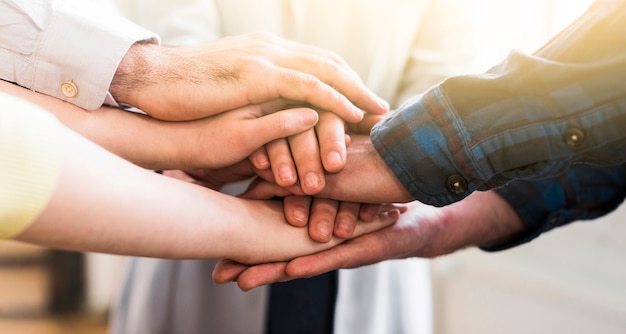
69,49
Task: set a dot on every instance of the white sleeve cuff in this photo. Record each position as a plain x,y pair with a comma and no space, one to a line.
78,52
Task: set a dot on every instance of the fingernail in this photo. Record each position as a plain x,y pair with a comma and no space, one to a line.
324,229
284,173
383,104
312,181
299,213
344,227
333,159
358,112
261,161
310,118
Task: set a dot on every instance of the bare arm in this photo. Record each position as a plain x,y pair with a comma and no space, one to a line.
365,179
482,219
187,83
104,204
157,144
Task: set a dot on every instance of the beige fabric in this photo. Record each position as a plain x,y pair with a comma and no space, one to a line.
31,146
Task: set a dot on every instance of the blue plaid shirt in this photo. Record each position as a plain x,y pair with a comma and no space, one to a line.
530,117
583,192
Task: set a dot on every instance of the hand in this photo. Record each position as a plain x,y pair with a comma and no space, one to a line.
323,212
189,145
365,179
230,137
189,83
309,154
327,218
214,178
422,231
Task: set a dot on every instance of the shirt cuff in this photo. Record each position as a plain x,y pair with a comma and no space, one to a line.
413,141
80,52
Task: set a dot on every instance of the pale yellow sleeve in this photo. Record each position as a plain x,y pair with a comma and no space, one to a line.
31,157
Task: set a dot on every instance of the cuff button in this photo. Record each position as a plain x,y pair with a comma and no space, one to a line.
69,89
456,184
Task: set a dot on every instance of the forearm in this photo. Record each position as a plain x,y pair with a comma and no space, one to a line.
104,204
156,79
139,139
480,220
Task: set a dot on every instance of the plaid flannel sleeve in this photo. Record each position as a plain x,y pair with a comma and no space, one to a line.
584,192
530,117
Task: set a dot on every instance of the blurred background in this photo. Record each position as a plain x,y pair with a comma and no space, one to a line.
571,280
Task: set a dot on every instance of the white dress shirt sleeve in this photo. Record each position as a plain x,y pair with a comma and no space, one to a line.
68,49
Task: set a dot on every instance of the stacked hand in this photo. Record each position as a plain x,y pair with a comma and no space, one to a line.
421,231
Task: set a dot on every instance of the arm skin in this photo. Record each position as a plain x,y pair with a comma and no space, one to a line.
155,144
422,231
323,218
237,71
188,83
103,203
160,143
204,143
365,179
328,141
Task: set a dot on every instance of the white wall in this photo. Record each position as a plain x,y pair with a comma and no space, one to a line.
570,280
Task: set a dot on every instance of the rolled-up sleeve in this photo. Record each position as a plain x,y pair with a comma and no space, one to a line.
67,49
584,192
530,117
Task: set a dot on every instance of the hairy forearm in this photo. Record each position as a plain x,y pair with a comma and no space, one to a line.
157,78
481,219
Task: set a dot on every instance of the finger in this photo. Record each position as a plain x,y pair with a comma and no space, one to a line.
365,250
306,156
370,248
262,274
387,216
261,189
227,271
283,166
327,82
322,219
267,175
346,220
178,174
332,70
260,159
280,124
368,212
365,126
331,134
296,209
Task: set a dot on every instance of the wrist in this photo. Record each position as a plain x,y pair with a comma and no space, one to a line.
135,73
480,220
